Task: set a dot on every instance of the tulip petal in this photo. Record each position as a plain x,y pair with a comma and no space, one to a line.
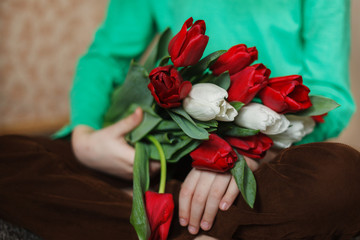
178,40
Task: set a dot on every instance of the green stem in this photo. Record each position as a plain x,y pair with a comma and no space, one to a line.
162,162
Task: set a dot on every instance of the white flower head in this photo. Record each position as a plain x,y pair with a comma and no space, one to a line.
259,117
206,101
299,128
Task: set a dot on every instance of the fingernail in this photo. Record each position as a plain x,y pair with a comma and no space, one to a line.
205,225
192,230
182,222
224,206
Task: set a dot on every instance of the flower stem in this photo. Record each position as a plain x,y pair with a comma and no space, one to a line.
162,162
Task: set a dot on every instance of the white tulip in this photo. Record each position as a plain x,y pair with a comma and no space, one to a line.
299,128
206,101
259,117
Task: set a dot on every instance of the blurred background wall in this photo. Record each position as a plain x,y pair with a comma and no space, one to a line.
40,43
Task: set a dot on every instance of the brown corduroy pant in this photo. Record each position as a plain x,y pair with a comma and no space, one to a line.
310,191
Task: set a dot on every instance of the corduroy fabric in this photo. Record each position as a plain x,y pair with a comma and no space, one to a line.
307,192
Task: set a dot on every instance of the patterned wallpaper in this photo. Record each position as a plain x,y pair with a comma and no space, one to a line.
40,42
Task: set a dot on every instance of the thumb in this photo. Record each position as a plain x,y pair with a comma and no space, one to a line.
127,124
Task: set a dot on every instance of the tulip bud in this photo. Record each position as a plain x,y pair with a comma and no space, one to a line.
214,154
206,101
252,146
259,117
286,94
159,210
187,47
235,59
299,128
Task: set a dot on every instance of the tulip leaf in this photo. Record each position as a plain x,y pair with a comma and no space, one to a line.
207,124
133,91
223,80
138,217
320,106
189,128
201,66
245,180
159,50
164,61
148,123
232,130
237,105
166,125
176,150
180,111
184,151
168,137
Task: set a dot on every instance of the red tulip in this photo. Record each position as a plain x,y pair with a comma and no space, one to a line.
235,59
252,146
159,210
248,82
167,87
187,47
214,154
286,94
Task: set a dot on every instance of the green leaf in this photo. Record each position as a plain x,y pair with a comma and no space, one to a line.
133,91
202,65
138,217
168,137
148,123
245,180
189,127
208,124
188,148
176,150
223,80
164,61
232,130
166,125
159,50
180,111
320,106
237,105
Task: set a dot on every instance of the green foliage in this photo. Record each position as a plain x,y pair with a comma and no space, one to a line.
189,127
223,80
245,180
133,91
232,130
320,106
141,180
237,105
201,66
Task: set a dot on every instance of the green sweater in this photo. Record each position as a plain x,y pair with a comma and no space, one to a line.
306,37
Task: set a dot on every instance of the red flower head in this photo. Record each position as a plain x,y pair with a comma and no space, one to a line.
248,82
214,154
159,210
253,146
235,59
286,94
167,87
187,47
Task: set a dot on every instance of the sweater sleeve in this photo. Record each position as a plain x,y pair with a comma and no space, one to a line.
125,34
326,42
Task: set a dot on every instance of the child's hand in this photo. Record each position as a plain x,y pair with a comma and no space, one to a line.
106,150
203,193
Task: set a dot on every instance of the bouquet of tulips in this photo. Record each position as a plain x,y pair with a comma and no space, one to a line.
216,109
